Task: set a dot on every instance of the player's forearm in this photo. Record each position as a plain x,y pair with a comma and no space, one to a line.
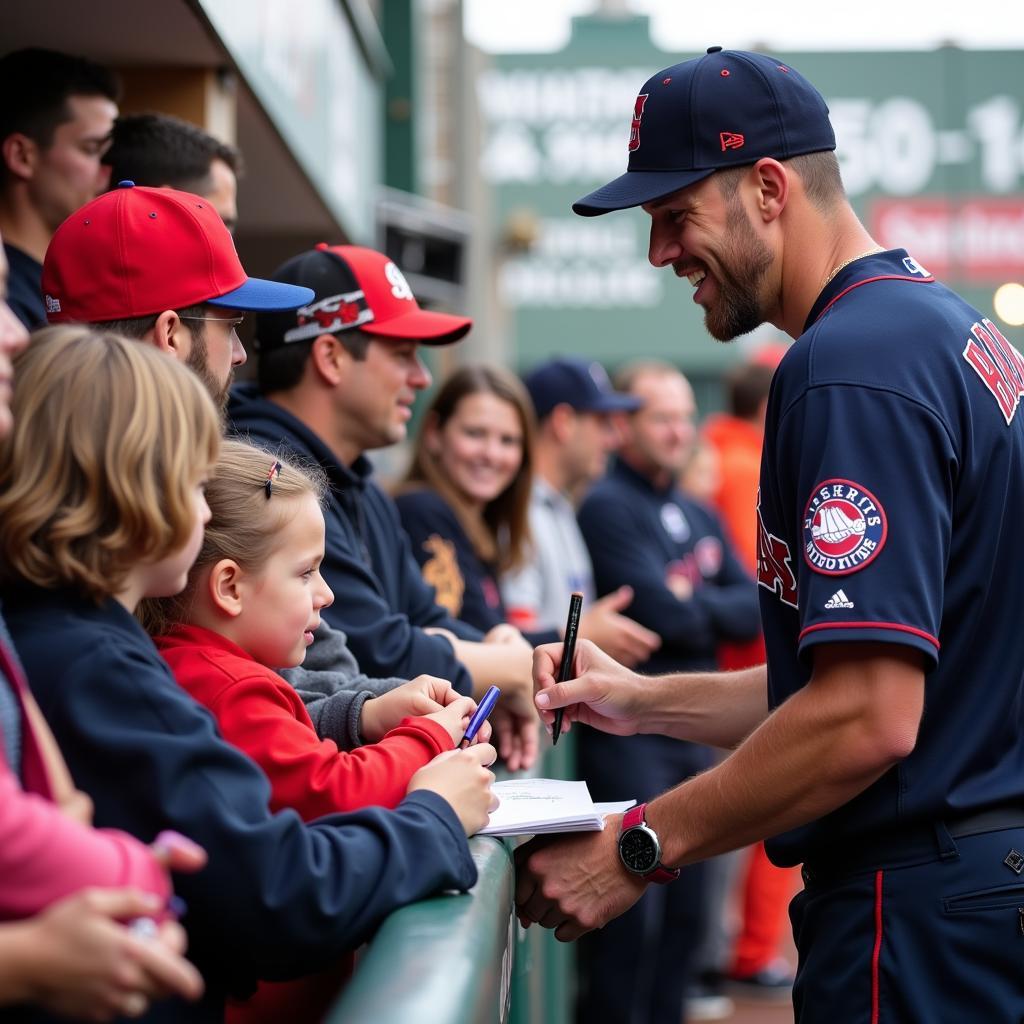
716,708
815,753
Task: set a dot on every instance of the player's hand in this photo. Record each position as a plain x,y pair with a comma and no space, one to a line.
89,965
423,695
626,641
603,693
455,720
463,778
574,883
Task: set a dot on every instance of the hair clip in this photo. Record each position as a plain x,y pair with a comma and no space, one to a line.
275,470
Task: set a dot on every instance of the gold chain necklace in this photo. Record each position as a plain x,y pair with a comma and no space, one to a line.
852,259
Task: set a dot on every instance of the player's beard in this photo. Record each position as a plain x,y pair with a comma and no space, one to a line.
742,268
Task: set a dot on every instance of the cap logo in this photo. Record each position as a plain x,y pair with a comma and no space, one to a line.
52,304
731,140
329,316
399,286
638,113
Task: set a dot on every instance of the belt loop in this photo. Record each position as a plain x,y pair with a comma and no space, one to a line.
944,842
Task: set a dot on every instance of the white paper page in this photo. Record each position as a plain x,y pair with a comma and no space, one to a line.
534,806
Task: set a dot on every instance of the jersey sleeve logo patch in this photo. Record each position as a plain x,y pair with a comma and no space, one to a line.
844,528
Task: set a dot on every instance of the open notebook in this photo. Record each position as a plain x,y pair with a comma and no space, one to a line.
537,806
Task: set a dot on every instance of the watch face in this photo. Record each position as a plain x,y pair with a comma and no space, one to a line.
638,850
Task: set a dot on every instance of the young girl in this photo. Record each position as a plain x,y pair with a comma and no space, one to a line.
101,504
465,500
251,605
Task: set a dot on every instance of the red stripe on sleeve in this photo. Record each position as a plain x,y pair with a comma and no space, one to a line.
899,626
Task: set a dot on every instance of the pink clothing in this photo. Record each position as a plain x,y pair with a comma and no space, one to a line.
44,855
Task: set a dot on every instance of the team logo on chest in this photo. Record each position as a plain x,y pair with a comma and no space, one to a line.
844,528
774,563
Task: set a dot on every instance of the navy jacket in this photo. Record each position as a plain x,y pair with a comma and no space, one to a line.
642,535
380,599
467,584
25,287
278,898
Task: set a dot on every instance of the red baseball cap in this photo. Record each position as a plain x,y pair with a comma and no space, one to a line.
137,251
354,287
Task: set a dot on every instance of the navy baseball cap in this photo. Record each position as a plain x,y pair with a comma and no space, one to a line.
353,287
724,109
577,382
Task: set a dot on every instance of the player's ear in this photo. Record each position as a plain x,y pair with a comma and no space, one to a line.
772,184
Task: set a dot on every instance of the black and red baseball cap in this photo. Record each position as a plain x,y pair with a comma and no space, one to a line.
723,109
354,287
136,251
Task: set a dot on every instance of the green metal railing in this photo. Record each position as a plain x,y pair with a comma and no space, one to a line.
463,957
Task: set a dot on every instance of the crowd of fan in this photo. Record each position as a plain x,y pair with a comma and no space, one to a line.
228,655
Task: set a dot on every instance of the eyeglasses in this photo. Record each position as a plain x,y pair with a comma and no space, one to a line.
234,322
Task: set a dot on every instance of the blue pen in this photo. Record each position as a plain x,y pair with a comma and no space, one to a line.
484,708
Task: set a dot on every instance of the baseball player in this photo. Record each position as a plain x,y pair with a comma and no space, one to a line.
881,746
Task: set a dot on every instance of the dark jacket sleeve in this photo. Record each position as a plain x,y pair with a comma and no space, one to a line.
384,640
731,601
278,898
623,553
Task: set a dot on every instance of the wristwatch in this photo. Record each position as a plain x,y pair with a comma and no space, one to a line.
639,849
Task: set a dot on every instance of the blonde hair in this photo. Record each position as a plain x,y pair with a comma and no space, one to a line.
246,518
98,474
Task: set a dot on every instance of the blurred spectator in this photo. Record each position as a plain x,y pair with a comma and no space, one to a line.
166,152
56,114
690,589
701,477
337,379
464,499
573,400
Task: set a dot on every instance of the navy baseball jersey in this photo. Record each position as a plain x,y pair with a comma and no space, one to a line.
890,510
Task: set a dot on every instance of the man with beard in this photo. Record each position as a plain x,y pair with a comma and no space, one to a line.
892,485
159,265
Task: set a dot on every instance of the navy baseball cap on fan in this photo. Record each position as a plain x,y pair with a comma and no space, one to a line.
580,383
353,288
724,109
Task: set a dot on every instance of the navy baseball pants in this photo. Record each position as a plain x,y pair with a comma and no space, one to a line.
933,942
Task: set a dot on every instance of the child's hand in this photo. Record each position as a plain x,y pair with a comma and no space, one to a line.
462,778
422,696
455,718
